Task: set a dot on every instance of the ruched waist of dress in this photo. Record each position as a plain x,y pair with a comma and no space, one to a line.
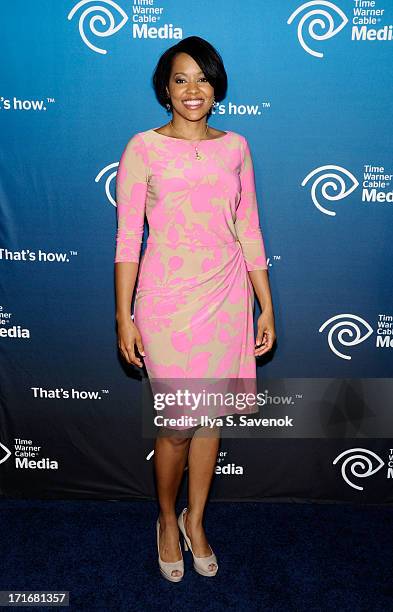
201,270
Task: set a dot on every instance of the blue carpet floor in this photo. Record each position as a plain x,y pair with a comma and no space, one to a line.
272,556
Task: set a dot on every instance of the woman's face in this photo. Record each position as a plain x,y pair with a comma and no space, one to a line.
188,83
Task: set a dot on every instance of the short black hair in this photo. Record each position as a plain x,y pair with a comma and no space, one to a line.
205,55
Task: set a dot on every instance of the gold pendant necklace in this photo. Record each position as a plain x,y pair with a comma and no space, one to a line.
197,154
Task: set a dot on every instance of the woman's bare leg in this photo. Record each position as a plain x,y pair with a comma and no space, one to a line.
170,457
202,459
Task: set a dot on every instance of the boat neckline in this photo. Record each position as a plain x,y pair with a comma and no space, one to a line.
187,139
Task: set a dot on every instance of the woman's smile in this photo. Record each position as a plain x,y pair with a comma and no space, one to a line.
194,103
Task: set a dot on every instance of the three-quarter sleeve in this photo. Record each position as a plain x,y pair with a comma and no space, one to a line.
247,217
131,188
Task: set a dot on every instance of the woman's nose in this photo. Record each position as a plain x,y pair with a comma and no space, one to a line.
193,87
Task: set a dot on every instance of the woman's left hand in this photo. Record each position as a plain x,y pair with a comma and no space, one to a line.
266,334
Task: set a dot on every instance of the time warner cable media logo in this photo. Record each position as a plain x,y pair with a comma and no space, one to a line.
346,331
320,20
27,456
331,185
103,18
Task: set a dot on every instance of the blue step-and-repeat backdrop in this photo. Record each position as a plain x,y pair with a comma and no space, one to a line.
310,89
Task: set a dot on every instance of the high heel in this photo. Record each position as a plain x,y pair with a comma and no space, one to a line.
167,567
201,564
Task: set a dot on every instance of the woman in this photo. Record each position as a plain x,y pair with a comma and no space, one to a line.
204,259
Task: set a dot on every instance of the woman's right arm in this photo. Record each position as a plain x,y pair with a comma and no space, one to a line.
131,189
127,331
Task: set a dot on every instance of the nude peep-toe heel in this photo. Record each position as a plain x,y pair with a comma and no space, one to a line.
201,564
167,567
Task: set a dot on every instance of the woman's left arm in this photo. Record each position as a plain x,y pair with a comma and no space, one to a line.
266,333
248,230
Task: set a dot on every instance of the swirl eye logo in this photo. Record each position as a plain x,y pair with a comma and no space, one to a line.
337,183
108,180
323,19
346,326
106,19
7,453
358,458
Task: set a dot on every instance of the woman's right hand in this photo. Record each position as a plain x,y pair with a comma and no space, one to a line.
128,335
